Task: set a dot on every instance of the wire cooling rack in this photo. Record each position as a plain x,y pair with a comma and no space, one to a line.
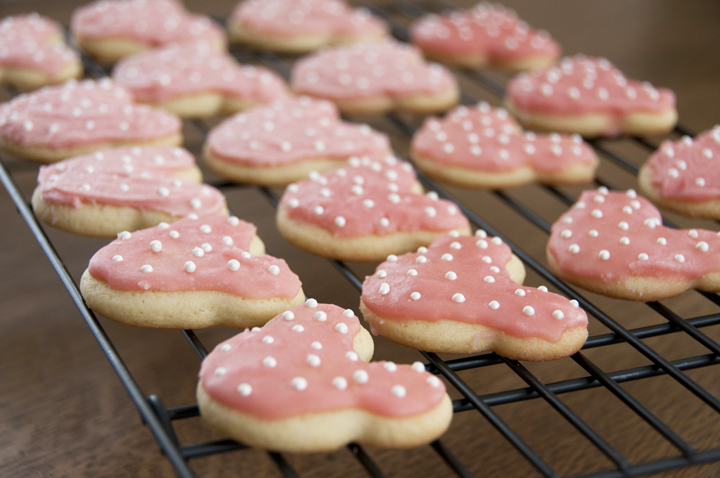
678,451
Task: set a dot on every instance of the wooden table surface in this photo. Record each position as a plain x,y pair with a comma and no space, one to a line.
63,411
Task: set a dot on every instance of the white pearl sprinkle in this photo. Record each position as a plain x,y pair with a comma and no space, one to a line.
447,257
390,366
451,275
384,288
288,315
528,310
489,279
244,389
558,314
643,257
340,383
225,347
146,268
268,339
662,241
320,316
269,361
316,345
574,249
418,367
434,382
679,258
342,328
702,246
361,376
399,391
415,296
352,356
311,303
604,255
459,298
520,292
124,235
299,383
189,266
494,305
298,328
198,252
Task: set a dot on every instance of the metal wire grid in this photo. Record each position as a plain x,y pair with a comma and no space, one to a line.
160,419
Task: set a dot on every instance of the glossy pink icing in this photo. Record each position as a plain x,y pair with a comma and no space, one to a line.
464,279
369,197
581,85
487,29
293,130
688,169
79,114
210,243
388,68
152,22
313,349
134,177
177,70
290,17
34,42
488,139
611,236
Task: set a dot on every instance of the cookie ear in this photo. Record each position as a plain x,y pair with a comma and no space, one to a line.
283,142
614,244
123,189
195,273
298,385
375,79
591,97
678,176
480,146
193,81
364,211
86,116
460,295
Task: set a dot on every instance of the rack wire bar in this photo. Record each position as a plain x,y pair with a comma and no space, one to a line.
160,419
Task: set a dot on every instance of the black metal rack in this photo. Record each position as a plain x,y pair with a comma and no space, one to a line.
161,420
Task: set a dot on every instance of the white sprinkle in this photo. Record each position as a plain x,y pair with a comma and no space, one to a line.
361,376
604,255
352,356
340,383
558,314
205,228
269,361
316,345
418,367
298,328
625,240
390,366
433,381
342,328
574,249
288,315
392,258
225,347
198,252
319,210
702,246
274,270
459,298
156,246
662,241
421,260
447,257
189,266
566,234
597,213
320,316
311,303
268,339
679,258
489,279
528,310
340,221
146,268
220,371
643,257
415,296
494,305
412,272
244,389
348,313
520,292
451,275
117,258
299,383
384,288
398,391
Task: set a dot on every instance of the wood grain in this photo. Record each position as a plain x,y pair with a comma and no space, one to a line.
63,412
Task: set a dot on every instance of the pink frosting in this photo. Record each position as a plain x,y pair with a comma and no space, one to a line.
293,130
303,361
290,17
464,279
582,85
369,197
487,139
177,70
81,114
611,236
152,22
134,177
34,42
688,169
208,253
384,69
486,29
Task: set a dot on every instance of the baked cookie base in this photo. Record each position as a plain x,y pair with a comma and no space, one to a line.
459,176
181,310
203,105
704,209
280,175
46,155
111,50
294,44
641,289
370,248
480,61
594,124
27,79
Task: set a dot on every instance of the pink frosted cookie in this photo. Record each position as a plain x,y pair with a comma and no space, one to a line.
591,97
113,29
684,176
281,143
614,244
301,384
78,118
33,54
123,189
483,147
365,211
194,273
195,81
296,27
461,295
377,78
485,35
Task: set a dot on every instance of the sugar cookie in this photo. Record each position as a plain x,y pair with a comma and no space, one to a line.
614,244
194,273
111,30
33,54
123,189
461,295
281,143
684,177
195,81
78,118
375,79
295,27
301,384
364,212
483,147
485,35
591,97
